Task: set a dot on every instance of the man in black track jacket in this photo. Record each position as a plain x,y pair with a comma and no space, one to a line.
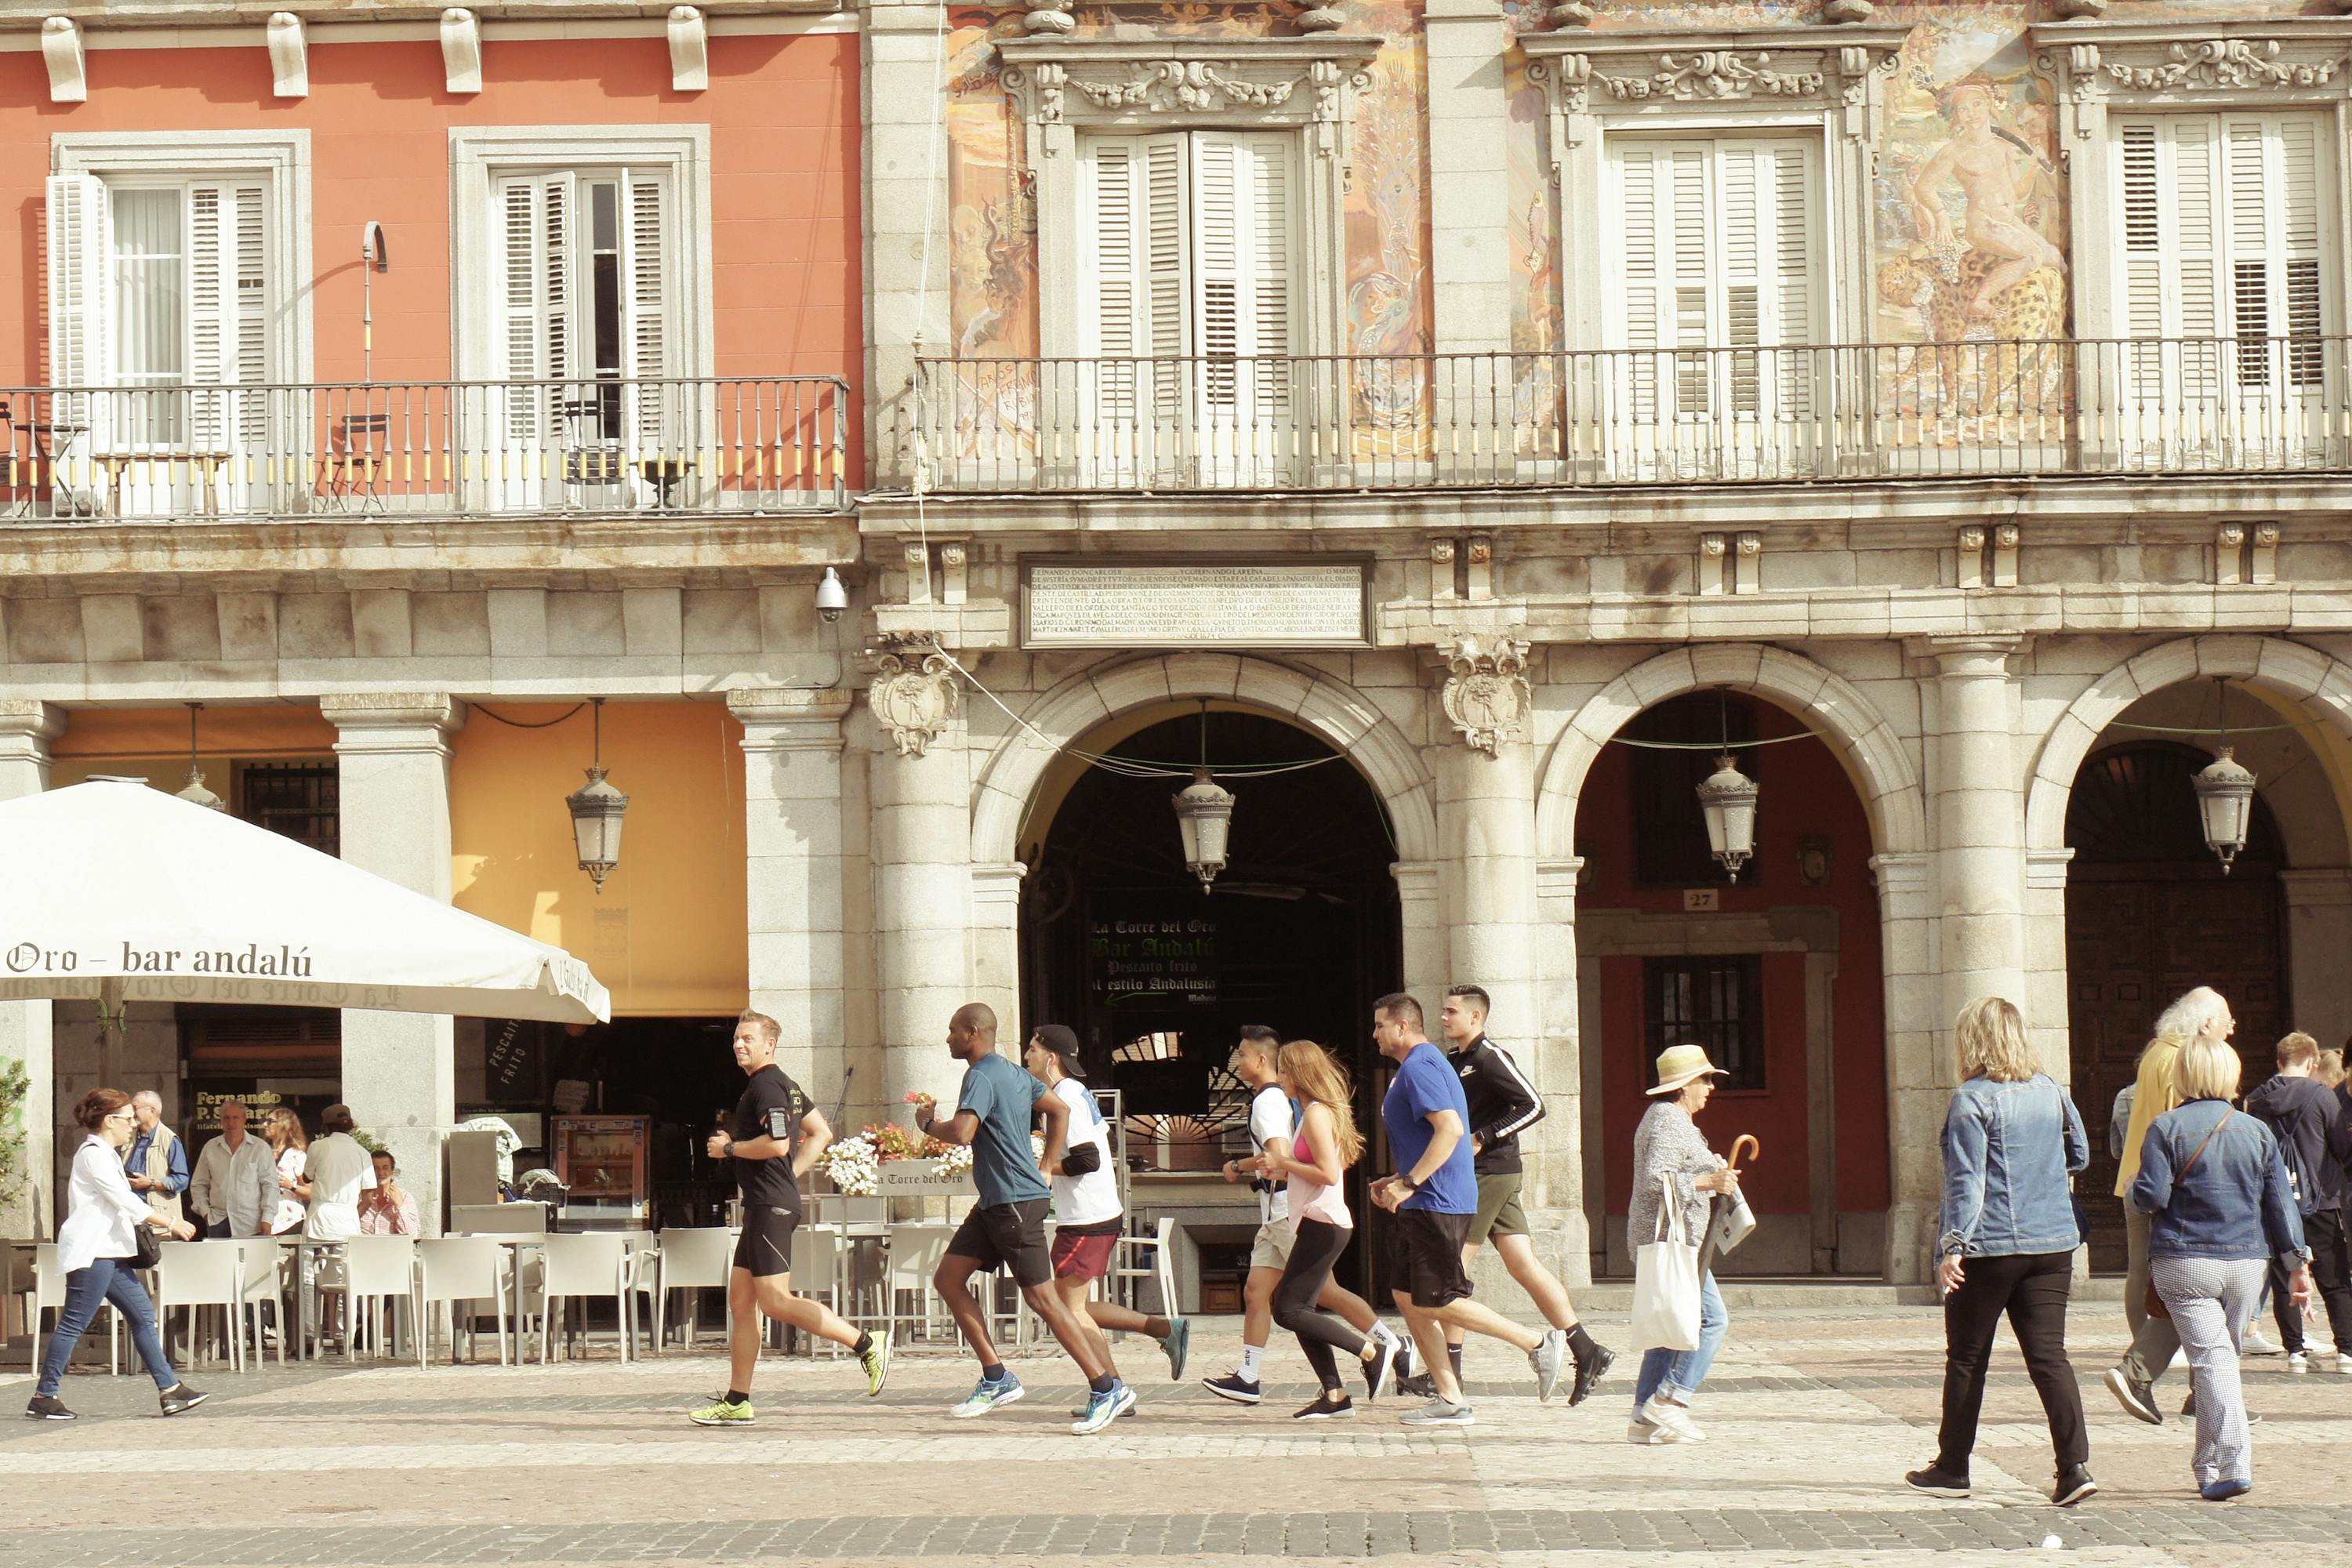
1503,1104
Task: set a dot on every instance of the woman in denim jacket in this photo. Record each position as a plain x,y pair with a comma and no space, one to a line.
2220,1210
2012,1140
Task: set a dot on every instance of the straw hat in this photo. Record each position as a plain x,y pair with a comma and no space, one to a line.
1677,1065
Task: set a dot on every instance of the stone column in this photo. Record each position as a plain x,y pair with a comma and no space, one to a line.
1918,1083
793,867
1469,253
996,939
2318,935
26,1032
922,871
905,172
2045,1004
1560,1068
400,1075
1979,813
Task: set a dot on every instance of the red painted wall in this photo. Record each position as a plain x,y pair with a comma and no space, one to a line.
783,113
1805,794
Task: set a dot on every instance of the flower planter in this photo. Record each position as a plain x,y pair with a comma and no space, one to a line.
919,1179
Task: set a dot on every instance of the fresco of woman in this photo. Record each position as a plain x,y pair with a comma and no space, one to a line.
1983,159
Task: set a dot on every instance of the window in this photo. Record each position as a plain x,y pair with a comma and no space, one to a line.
1188,243
1669,837
2223,264
581,297
1716,259
1716,1003
301,801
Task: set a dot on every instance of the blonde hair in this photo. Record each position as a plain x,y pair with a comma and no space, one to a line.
2329,1068
2208,1069
2297,1049
1324,1082
281,1128
1993,1041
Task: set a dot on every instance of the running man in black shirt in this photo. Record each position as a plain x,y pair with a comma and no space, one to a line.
775,1136
1503,1104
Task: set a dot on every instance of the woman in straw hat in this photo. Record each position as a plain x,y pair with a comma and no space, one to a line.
1669,1145
2012,1140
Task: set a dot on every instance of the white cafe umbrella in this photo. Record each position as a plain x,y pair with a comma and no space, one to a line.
114,892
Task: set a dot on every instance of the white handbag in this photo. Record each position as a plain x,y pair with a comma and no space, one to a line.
1666,1282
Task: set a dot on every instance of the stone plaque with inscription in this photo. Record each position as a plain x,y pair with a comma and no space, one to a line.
1306,603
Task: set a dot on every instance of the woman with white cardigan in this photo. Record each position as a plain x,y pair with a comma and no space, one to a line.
95,1247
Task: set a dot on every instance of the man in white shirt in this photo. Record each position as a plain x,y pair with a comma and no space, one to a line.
339,1169
234,1191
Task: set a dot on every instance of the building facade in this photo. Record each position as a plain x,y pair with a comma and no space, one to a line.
1452,423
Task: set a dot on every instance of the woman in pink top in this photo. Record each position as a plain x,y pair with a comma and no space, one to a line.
1316,1162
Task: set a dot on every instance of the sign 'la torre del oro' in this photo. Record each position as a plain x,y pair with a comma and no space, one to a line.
1304,508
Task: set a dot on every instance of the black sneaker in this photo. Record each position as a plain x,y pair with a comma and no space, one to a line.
2137,1398
1419,1385
1326,1410
1588,1373
1377,1374
181,1398
2074,1484
1233,1386
47,1407
1936,1482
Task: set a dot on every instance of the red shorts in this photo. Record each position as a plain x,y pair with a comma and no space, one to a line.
1084,1252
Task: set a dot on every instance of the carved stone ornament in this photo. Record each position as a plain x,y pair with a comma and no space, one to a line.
1136,83
2295,59
1193,86
1485,696
1715,76
914,695
2227,63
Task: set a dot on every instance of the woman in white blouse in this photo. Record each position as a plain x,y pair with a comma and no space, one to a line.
283,1131
95,1247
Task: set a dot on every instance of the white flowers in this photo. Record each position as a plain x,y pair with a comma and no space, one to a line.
851,1165
956,1161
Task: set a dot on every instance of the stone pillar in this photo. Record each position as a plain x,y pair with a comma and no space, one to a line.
793,855
2318,935
1917,1083
1558,1068
1978,814
400,1075
1469,253
996,940
27,1035
905,172
2046,1012
922,871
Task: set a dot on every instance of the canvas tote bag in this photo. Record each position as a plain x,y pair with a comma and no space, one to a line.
1665,1282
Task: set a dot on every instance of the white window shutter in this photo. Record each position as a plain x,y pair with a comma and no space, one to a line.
212,308
81,304
644,231
2150,300
536,217
250,277
1242,231
1644,229
1132,260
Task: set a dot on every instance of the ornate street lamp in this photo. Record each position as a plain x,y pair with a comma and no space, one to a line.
2225,795
1729,800
1205,815
596,811
193,792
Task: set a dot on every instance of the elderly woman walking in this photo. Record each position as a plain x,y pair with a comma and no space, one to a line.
1669,1149
2012,1140
2220,1209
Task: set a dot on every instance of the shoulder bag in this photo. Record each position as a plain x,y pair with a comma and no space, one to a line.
147,1246
1666,1282
2151,1300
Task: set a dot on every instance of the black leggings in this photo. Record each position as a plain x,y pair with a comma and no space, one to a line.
1317,1248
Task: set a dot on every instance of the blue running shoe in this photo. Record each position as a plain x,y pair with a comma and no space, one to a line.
989,1393
1104,1408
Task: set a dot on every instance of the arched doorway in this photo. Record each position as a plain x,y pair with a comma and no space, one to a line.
1779,974
1117,939
2149,914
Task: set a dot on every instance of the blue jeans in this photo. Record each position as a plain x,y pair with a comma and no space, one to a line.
1684,1371
106,1279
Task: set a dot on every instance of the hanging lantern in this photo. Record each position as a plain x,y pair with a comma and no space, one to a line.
2225,800
193,792
596,811
1205,815
1729,800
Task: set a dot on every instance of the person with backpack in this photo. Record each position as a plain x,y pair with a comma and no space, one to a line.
2315,1142
1273,1123
1087,1215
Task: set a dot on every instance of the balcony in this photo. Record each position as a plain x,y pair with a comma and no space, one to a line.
1619,417
425,450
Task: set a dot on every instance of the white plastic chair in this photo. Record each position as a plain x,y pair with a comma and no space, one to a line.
497,1219
1136,1258
452,1270
596,1265
374,1266
49,1292
915,1249
262,1283
816,1265
691,1259
201,1274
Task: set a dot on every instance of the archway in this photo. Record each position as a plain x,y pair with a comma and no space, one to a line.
1120,942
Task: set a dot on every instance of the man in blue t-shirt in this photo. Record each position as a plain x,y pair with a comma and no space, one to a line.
1431,1200
1007,1230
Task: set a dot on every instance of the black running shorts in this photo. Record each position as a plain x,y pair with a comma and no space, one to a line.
1425,1255
765,1247
1009,1235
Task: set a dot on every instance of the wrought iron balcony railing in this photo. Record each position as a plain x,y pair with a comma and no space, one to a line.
1639,417
425,450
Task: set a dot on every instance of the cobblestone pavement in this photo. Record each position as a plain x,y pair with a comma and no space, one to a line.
1813,1416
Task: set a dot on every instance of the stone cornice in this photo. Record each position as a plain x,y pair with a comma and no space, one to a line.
1756,67
401,711
22,719
791,718
1174,81
2122,65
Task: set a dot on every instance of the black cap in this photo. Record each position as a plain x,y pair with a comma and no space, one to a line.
1063,1041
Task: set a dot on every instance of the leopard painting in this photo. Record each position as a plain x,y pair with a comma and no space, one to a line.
2029,312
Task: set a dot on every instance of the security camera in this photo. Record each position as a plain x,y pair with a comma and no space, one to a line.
831,599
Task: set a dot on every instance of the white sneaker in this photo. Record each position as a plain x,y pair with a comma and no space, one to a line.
1649,1434
1660,1411
2254,1344
2298,1360
2344,1362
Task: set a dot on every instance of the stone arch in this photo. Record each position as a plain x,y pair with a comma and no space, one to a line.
2305,675
1350,722
1873,757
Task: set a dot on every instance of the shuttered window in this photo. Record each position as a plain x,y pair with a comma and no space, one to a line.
159,285
1716,255
2221,234
582,298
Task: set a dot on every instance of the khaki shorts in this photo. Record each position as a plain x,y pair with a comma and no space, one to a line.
1498,1208
1271,1248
